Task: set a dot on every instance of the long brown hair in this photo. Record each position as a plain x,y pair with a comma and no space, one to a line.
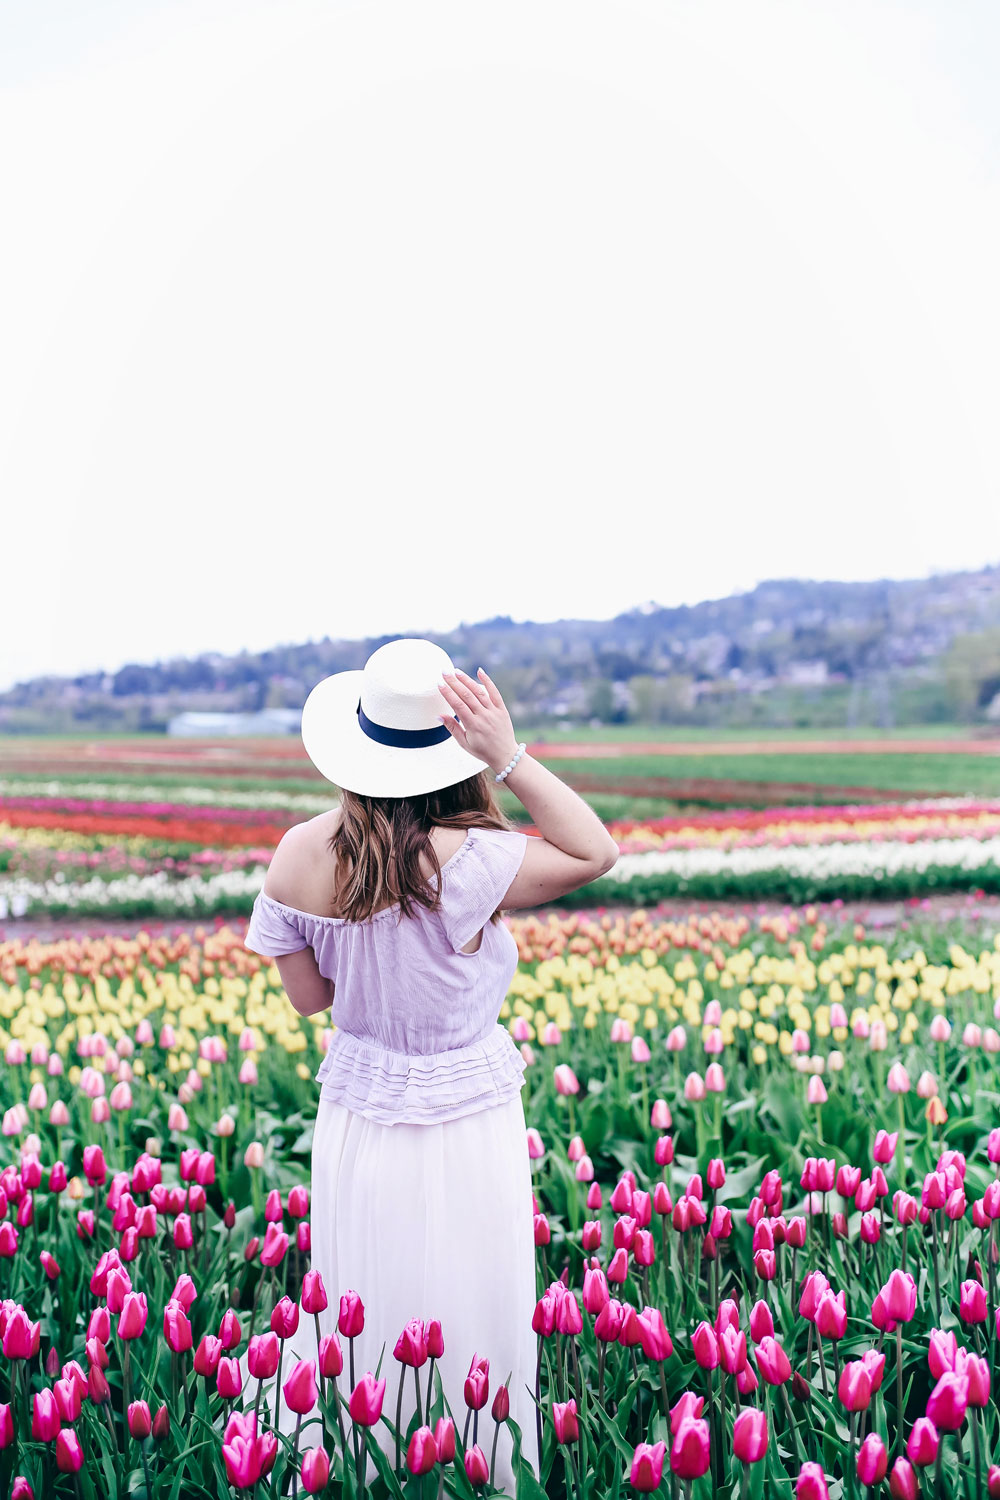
378,842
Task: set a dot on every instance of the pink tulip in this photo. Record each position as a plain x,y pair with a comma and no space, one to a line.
873,1460
45,1417
300,1387
565,1421
69,1454
132,1320
947,1402
855,1386
421,1452
750,1435
315,1470
922,1444
811,1483
690,1451
647,1466
900,1296
972,1304
229,1379
831,1315
262,1355
351,1321
903,1481
176,1327
773,1362
365,1404
477,1467
705,1344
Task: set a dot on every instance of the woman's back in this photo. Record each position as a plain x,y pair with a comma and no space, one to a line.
417,1037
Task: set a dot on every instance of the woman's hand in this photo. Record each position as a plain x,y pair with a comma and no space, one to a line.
486,730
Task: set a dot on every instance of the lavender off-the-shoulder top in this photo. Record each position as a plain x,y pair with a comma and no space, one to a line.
417,1040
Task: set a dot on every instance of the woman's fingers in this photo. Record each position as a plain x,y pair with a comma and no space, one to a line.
464,694
491,688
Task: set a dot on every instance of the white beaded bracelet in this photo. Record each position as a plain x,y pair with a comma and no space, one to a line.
507,769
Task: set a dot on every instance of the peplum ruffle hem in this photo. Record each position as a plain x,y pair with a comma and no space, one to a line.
397,1088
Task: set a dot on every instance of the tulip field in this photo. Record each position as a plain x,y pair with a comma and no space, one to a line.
766,1166
764,1147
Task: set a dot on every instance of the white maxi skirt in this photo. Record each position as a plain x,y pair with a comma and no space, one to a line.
434,1222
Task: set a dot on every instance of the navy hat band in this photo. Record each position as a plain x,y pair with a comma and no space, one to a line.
414,739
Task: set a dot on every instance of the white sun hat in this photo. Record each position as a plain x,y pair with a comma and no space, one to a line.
377,731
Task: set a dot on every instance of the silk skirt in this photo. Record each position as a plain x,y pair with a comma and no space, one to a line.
428,1221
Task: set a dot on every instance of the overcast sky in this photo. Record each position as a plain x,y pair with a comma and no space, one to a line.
339,318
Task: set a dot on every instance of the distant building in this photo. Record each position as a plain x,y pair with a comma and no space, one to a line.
205,725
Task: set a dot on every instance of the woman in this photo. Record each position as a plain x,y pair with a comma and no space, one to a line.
387,909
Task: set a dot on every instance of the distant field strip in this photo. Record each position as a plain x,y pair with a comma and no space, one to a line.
915,775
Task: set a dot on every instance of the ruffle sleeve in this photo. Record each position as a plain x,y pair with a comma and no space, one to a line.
271,930
482,874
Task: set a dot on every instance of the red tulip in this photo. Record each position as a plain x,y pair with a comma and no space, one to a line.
6,1426
500,1410
161,1425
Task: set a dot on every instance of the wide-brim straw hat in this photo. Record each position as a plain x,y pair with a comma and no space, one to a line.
377,731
